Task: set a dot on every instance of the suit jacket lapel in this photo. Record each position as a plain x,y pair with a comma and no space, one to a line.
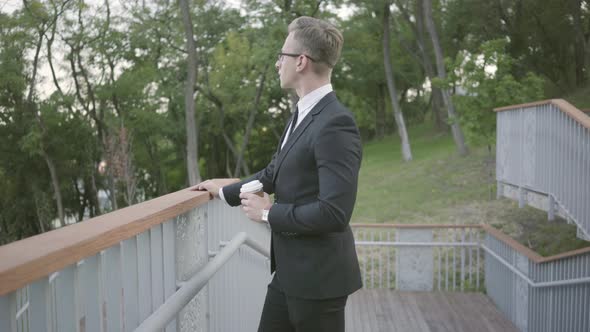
284,133
330,97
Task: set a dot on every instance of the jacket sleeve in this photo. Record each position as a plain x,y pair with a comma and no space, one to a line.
231,192
338,154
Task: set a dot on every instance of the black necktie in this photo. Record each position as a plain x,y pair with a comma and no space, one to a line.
294,122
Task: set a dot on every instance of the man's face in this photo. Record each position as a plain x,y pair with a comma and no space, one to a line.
287,65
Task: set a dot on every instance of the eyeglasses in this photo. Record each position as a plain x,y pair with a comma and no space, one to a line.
293,55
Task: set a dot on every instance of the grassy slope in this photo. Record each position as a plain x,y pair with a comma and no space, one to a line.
438,186
580,98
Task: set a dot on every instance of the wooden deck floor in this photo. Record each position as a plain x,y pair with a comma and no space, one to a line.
376,310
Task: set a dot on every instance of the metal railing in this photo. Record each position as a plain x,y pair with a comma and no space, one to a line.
420,257
174,268
536,293
113,272
189,289
541,294
543,159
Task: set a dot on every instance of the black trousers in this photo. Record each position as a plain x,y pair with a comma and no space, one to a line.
282,313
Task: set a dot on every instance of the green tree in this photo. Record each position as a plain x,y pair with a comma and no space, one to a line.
486,77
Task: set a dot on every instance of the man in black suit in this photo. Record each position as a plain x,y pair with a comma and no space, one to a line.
314,176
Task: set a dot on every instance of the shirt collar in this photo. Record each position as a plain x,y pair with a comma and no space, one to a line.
309,100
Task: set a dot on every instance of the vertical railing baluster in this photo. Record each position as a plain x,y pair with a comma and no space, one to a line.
144,272
65,288
8,312
130,284
381,256
112,307
478,266
395,268
157,267
371,255
454,231
438,252
447,238
586,180
88,283
40,306
389,249
470,232
462,231
169,264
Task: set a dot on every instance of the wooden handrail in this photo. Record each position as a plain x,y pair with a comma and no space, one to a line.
567,108
27,260
535,257
30,259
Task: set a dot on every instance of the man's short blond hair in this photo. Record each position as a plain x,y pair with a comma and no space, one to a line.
318,39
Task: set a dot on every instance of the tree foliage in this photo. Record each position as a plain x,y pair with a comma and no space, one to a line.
92,108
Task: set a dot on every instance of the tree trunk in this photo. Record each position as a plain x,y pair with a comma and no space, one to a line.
442,74
438,114
580,44
38,208
113,190
37,115
192,164
397,112
96,211
380,118
56,187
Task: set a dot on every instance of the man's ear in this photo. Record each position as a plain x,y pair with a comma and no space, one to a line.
300,63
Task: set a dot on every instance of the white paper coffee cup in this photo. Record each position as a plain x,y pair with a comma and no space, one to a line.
253,187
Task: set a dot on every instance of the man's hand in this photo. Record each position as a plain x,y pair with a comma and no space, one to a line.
213,185
253,205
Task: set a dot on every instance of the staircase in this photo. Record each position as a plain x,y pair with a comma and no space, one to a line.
543,159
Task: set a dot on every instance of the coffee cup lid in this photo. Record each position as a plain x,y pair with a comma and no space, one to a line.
251,187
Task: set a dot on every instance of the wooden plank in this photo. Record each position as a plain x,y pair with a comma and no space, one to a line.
436,316
459,304
491,314
389,310
413,310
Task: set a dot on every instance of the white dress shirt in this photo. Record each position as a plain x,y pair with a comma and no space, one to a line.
304,105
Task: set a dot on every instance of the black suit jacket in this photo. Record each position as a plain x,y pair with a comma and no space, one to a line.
314,179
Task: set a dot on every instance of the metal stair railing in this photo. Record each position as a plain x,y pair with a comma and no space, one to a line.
543,159
189,289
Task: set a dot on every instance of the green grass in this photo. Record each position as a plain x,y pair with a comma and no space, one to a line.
579,98
394,191
441,187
